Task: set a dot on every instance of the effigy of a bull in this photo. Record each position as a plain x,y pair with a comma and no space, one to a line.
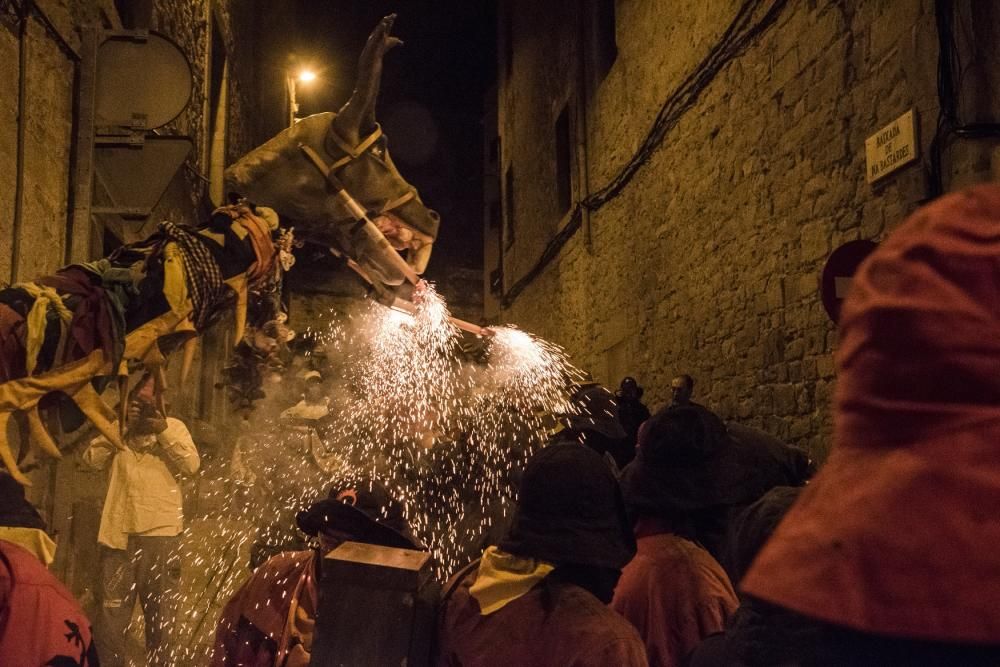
330,174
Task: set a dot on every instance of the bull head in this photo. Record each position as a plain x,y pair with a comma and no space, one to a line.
286,173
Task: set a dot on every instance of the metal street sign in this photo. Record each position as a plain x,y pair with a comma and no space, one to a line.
891,148
838,273
143,80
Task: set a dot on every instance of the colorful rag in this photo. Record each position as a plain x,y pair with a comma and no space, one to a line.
45,297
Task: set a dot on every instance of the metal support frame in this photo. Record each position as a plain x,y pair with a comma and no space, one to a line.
81,230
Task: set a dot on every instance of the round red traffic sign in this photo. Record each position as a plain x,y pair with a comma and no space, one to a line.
839,271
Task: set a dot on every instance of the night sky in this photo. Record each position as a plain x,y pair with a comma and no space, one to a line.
431,101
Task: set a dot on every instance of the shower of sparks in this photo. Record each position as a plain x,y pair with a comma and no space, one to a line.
448,435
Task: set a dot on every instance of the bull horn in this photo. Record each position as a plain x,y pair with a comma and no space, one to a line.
357,116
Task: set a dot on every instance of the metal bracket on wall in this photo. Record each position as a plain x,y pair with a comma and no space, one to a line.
130,82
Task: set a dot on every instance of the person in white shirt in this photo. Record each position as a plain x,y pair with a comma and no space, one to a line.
140,527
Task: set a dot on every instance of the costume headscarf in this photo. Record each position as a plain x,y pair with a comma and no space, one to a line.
897,534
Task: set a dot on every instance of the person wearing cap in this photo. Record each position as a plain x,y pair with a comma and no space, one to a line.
141,523
540,597
315,405
270,619
40,621
674,591
631,413
890,553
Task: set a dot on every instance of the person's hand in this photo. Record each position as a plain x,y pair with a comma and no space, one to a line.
156,423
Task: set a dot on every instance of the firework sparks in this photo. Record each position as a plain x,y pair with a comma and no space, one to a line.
448,436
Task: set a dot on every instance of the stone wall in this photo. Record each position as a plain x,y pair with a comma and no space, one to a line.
708,263
45,119
35,113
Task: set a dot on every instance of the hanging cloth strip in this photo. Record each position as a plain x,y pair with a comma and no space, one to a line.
260,238
38,318
97,322
204,279
12,335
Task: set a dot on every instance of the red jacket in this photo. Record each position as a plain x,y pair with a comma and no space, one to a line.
40,622
576,631
676,594
269,621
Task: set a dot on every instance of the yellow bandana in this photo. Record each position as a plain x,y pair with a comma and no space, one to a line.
34,540
504,577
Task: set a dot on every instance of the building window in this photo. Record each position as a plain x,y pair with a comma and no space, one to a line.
495,214
507,35
605,44
135,14
564,160
508,195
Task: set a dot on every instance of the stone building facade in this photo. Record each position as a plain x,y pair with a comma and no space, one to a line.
41,43
708,260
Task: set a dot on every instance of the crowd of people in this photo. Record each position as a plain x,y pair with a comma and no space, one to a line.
671,538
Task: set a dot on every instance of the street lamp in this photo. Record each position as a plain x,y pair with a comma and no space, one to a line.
303,76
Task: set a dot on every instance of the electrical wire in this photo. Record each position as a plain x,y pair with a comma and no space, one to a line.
949,77
752,19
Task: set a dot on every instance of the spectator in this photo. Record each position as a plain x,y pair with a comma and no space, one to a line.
631,413
141,523
40,622
271,618
681,390
314,405
889,555
286,469
539,598
673,591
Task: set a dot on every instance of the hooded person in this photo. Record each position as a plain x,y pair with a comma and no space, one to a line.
674,591
270,619
40,621
539,597
719,470
891,550
752,628
594,421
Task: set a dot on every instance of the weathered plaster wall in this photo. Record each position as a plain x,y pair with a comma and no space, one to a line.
708,263
45,129
68,497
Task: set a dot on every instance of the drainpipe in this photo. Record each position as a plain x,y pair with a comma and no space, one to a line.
582,146
22,104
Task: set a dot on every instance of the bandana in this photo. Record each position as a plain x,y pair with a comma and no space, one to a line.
34,540
504,577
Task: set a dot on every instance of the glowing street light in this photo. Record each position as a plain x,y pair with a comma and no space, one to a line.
303,76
